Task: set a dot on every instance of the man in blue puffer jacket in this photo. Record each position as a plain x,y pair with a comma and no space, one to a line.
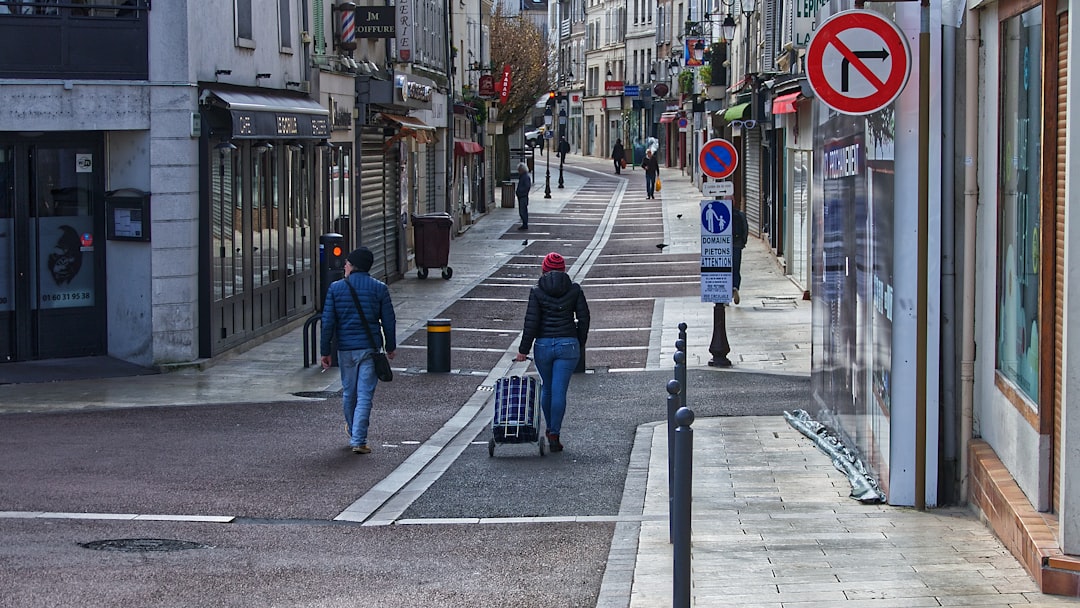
355,350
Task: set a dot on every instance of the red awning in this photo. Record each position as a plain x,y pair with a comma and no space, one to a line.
785,104
463,148
668,116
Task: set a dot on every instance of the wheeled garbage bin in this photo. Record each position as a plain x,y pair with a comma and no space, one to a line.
431,233
508,195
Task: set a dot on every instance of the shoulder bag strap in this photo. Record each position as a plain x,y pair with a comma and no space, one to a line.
360,309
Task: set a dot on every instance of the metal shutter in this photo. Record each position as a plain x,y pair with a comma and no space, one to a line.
753,180
378,202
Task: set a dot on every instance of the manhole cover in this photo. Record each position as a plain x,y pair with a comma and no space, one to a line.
142,545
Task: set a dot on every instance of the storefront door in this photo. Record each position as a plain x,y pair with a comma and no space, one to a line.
52,296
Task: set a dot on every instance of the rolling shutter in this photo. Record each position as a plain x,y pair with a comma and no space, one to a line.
753,180
378,202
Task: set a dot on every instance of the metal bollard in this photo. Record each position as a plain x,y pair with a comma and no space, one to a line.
681,514
438,345
680,366
674,402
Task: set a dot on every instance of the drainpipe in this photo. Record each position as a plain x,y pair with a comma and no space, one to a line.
971,200
949,402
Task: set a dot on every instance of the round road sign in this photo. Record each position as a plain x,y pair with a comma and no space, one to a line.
718,158
858,62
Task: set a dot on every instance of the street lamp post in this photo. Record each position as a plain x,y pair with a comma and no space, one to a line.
547,131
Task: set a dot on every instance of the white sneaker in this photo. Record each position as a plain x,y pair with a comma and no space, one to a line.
735,296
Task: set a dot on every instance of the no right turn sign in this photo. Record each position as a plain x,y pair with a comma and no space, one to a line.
858,62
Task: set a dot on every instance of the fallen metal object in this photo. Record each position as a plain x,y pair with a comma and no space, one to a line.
864,488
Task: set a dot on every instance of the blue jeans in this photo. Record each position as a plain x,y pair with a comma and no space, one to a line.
556,359
650,183
357,388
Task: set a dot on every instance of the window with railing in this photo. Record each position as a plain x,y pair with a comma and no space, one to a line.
76,39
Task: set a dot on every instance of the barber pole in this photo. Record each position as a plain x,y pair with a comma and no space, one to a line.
348,29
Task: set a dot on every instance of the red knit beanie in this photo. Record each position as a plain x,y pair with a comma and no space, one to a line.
553,261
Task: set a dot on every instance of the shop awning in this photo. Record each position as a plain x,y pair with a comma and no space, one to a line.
266,116
411,122
737,112
785,104
462,148
412,126
668,116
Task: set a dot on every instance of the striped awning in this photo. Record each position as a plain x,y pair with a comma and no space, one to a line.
668,116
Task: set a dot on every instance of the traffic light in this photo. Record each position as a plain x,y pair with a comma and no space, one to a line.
551,97
335,254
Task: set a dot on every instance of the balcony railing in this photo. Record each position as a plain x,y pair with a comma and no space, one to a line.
92,39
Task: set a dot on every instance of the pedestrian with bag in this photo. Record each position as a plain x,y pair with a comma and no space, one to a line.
524,186
618,155
652,173
359,311
557,326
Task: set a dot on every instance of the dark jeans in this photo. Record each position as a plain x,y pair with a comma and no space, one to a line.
736,266
618,166
523,209
650,183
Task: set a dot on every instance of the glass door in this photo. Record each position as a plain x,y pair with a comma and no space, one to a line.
52,299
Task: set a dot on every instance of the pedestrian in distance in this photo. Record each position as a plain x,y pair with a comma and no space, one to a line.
340,316
739,232
556,327
524,185
618,155
652,171
564,148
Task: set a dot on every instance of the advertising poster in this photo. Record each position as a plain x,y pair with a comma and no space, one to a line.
65,262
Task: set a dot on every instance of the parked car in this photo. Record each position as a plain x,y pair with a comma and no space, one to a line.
534,138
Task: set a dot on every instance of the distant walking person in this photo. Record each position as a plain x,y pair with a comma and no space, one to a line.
355,350
564,148
652,171
618,154
524,185
557,320
739,232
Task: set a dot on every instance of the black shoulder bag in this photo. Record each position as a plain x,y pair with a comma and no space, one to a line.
382,365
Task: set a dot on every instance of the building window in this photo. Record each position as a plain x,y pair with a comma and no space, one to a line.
1019,186
244,34
285,24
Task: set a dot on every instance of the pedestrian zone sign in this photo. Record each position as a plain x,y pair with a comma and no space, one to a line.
716,255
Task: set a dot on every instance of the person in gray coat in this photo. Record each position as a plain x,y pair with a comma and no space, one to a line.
355,351
524,186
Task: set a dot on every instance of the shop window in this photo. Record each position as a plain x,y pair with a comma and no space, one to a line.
1019,239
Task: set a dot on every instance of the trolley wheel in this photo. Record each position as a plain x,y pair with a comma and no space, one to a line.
491,448
421,272
447,272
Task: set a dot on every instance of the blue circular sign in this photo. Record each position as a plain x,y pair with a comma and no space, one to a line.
718,158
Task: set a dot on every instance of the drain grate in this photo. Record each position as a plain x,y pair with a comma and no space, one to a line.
142,545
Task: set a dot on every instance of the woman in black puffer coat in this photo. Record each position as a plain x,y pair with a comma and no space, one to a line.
557,320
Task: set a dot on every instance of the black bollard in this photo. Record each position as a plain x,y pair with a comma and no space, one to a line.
681,514
674,402
680,366
438,345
